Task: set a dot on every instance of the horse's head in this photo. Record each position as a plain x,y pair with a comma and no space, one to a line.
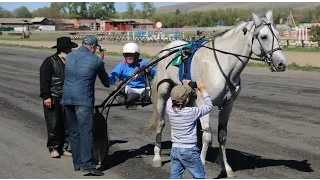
265,42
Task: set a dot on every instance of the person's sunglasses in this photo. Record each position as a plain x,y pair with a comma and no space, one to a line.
128,55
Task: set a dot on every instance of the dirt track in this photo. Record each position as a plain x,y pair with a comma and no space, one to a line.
273,130
301,58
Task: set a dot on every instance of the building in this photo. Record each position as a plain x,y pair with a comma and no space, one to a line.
63,24
39,21
143,24
31,24
15,22
86,23
116,25
138,23
125,24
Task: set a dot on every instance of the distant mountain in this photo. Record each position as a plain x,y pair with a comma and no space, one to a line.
205,6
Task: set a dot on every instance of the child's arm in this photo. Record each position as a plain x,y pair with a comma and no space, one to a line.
198,112
207,107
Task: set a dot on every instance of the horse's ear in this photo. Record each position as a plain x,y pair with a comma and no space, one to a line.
257,21
269,17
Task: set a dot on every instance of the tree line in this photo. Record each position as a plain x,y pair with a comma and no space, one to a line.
106,10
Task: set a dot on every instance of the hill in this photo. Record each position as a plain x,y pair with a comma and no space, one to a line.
205,6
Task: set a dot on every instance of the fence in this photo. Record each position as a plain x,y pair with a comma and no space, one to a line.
166,38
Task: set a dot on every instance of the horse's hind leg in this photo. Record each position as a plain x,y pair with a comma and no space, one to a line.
206,137
224,115
163,96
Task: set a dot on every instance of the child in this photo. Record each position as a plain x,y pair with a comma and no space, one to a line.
184,152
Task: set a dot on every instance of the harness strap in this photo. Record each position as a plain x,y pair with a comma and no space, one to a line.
147,84
208,130
185,67
231,86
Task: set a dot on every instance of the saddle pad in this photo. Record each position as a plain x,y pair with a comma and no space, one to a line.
177,57
194,47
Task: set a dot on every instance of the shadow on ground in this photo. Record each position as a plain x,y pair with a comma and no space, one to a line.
237,160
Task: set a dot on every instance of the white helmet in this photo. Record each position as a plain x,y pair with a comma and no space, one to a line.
131,48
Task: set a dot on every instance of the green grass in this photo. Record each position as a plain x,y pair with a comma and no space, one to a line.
292,66
33,37
301,49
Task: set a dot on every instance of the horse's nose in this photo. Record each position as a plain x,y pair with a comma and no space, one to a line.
281,67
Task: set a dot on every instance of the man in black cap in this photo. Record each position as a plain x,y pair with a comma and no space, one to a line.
51,82
81,70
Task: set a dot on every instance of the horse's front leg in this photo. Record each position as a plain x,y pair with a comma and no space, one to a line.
224,114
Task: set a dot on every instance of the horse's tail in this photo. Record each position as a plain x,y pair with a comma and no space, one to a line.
153,123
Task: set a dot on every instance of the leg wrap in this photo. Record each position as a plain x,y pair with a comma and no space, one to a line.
222,135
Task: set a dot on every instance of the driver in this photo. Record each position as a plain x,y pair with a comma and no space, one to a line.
136,89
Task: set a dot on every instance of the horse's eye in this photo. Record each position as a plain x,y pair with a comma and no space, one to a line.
264,37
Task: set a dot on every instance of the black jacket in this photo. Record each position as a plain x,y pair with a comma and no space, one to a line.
51,77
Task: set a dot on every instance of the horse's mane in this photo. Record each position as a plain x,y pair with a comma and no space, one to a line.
230,32
227,32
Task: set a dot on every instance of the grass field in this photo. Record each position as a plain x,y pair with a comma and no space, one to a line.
36,37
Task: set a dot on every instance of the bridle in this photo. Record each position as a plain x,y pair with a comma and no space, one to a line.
266,56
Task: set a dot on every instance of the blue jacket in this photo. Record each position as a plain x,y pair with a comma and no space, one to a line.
123,70
81,70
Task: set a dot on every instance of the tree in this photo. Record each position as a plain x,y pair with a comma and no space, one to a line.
108,9
5,13
22,12
177,12
148,9
131,8
40,12
315,34
74,8
66,6
83,9
104,10
54,11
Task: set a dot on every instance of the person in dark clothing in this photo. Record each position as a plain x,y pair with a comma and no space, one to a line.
81,70
51,82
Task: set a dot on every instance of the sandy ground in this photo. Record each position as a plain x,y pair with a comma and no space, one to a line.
273,130
301,58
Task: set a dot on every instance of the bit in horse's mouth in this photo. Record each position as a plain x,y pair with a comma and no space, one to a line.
273,68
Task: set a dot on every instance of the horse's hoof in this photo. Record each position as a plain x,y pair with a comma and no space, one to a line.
230,175
224,174
157,163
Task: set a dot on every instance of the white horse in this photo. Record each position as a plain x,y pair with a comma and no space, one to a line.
220,72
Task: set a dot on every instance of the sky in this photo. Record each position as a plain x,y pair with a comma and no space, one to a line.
120,6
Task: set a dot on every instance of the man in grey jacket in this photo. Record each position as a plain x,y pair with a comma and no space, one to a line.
81,69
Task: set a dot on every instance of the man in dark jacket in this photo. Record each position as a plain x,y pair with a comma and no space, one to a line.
51,82
81,70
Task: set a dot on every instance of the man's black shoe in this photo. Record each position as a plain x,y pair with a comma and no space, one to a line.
92,172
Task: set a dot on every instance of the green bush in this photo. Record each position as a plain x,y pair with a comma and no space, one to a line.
315,34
